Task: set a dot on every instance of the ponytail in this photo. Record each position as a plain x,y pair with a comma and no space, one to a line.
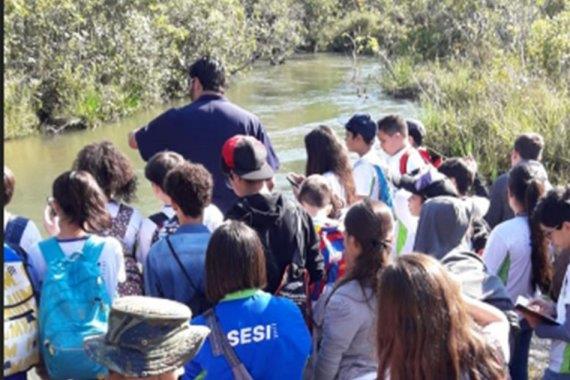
81,201
541,268
526,185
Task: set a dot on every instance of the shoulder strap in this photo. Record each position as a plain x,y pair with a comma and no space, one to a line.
93,248
175,255
404,161
15,229
221,346
51,250
383,187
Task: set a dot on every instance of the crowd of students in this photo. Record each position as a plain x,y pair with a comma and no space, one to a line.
396,266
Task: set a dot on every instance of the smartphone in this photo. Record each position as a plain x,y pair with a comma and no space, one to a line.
292,181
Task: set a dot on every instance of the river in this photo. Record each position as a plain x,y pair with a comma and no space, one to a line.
289,99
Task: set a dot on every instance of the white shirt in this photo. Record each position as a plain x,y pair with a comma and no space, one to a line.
507,255
415,161
558,347
30,236
335,185
406,221
111,261
131,234
366,179
212,219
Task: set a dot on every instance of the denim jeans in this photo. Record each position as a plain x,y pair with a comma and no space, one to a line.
518,367
550,375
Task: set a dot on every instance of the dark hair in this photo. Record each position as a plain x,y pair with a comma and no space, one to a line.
325,153
421,307
9,184
210,72
458,169
526,185
160,164
393,124
369,222
111,169
529,146
235,260
190,187
554,208
82,201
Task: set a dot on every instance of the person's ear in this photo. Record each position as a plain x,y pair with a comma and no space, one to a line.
566,226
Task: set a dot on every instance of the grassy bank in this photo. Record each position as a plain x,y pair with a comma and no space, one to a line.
482,71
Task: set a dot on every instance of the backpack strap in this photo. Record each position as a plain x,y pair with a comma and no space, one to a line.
221,346
15,229
404,162
93,248
384,188
51,250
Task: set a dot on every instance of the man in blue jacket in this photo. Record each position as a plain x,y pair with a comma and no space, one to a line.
198,130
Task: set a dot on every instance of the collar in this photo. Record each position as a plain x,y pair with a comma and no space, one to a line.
210,96
240,294
191,229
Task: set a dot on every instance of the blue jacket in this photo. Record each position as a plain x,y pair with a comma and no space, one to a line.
267,333
163,276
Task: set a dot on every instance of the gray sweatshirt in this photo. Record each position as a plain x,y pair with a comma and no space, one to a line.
347,349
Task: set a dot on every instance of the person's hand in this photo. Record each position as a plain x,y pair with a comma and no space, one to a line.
532,320
542,306
295,180
51,221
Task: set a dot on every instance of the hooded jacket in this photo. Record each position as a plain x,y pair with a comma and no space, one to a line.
283,227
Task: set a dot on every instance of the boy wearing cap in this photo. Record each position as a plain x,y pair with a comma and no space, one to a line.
283,226
175,265
360,135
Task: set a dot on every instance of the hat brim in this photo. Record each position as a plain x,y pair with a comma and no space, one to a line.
170,356
265,172
408,183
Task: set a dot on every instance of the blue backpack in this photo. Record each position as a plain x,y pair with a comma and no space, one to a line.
74,305
384,186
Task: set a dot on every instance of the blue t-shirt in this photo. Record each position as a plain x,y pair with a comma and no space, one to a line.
267,333
198,131
163,276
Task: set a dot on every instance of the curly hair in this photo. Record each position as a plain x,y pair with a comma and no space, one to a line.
190,187
325,153
112,170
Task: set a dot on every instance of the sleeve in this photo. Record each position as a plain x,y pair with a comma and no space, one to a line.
151,285
363,178
499,333
315,260
144,239
495,252
559,332
30,237
339,329
193,369
115,273
36,260
495,214
157,135
262,136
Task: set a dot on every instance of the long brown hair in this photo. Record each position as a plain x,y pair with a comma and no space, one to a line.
526,185
369,222
82,201
423,329
326,153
